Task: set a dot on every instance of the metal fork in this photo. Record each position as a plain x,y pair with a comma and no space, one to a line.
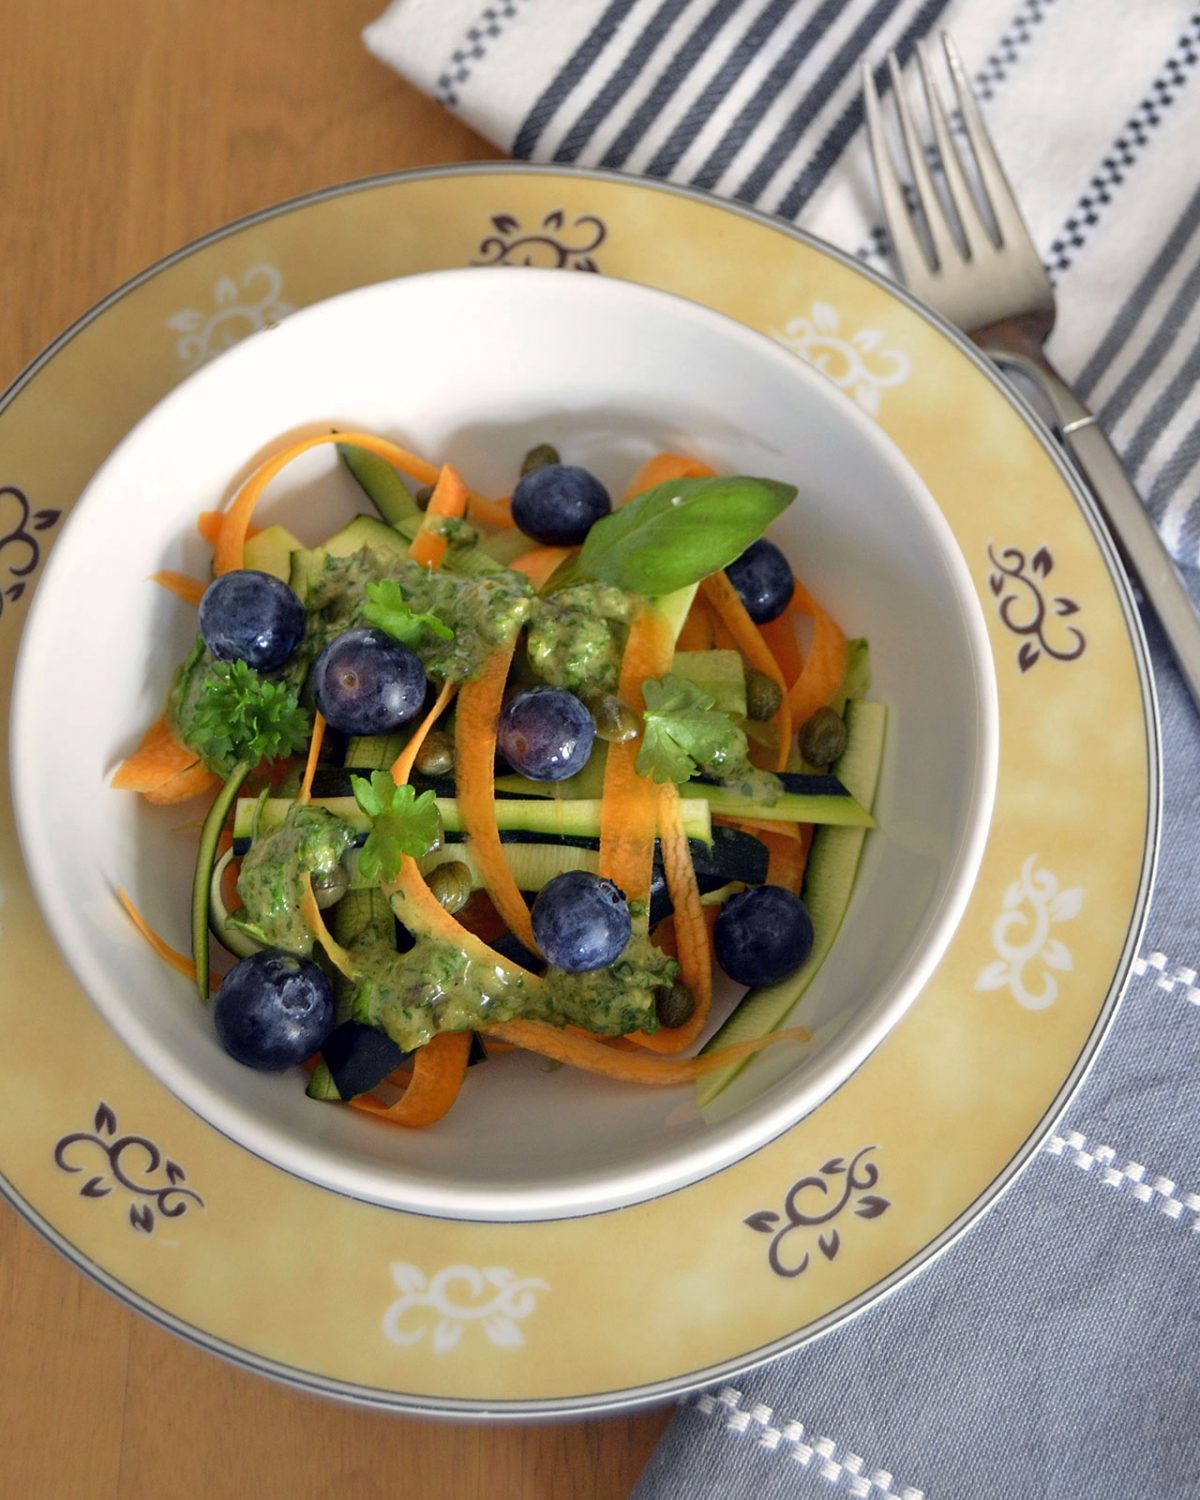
995,288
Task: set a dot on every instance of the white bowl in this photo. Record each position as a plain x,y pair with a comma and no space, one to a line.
476,366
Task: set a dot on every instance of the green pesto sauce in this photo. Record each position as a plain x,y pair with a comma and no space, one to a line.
576,637
435,987
732,767
483,612
271,884
746,780
186,688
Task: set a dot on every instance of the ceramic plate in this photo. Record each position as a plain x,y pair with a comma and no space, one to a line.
603,1311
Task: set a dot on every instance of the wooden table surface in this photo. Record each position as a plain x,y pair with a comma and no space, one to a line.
129,128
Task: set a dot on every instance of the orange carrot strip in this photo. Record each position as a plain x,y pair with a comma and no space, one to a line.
628,810
449,499
691,930
208,524
722,635
724,599
194,781
697,633
538,564
825,665
593,1056
310,765
759,826
172,957
421,912
159,730
341,960
438,1070
665,466
787,861
780,636
190,590
159,757
403,764
494,512
235,521
479,704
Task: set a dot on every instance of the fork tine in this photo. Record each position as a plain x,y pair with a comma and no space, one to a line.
1002,200
974,230
914,263
945,247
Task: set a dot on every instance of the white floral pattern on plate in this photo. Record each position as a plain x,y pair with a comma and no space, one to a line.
857,362
513,1299
259,305
1032,905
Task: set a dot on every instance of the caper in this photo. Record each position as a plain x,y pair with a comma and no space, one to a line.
539,457
823,738
451,884
329,886
436,755
763,695
674,1007
423,496
616,722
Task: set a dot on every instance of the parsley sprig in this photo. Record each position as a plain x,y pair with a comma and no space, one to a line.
241,717
401,823
389,610
684,733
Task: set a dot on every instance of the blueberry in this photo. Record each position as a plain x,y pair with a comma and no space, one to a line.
273,1010
546,733
252,617
763,579
366,682
763,935
558,504
580,922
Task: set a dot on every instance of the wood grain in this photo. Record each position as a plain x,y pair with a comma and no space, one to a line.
129,128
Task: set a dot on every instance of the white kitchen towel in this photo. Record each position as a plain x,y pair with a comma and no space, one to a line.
1054,1352
1093,105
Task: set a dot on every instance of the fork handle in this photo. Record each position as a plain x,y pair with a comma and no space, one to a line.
1133,532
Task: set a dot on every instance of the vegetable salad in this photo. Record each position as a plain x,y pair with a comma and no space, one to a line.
487,775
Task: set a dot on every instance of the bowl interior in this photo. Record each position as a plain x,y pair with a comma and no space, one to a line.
477,366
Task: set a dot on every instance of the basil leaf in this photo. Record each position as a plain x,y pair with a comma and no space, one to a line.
680,532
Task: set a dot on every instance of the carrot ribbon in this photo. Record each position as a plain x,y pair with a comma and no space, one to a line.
479,704
449,499
825,665
235,522
629,808
593,1056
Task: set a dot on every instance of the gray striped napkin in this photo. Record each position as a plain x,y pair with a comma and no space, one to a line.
1053,1352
